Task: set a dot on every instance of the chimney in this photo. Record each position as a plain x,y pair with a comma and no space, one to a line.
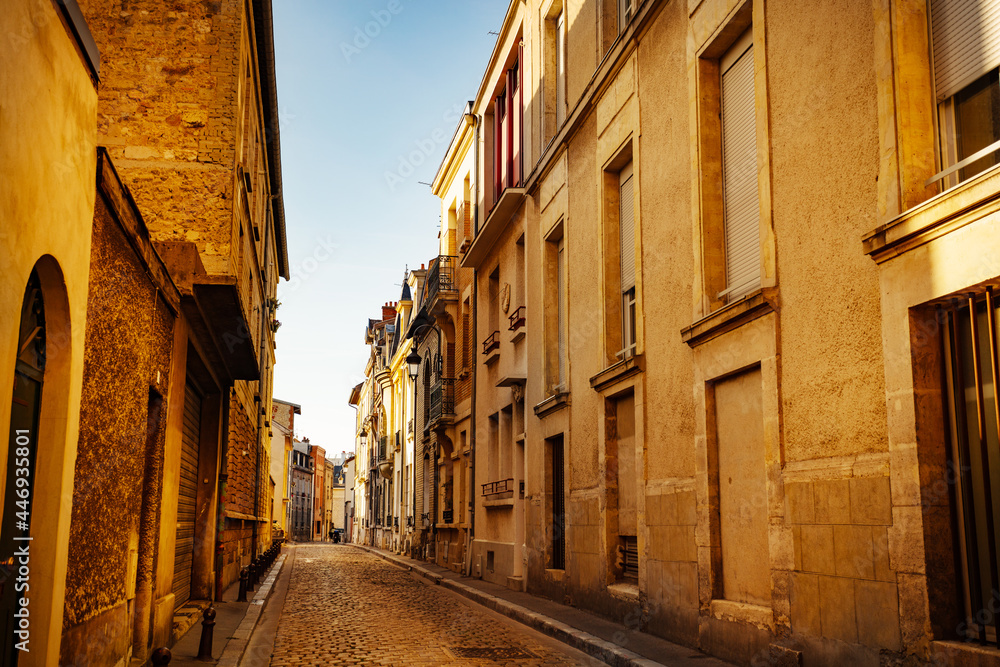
388,311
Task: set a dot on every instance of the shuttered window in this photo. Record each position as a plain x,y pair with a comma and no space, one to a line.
626,228
966,42
561,309
560,69
741,206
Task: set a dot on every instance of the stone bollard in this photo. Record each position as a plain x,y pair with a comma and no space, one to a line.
242,597
249,569
207,632
161,657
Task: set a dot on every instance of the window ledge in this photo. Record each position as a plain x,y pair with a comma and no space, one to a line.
940,215
492,357
743,612
496,222
552,404
626,592
617,372
499,502
958,652
733,315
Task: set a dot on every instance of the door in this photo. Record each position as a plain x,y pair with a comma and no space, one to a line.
186,495
21,450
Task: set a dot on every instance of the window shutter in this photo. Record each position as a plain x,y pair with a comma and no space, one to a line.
560,69
561,309
499,110
517,123
966,42
626,228
739,168
466,340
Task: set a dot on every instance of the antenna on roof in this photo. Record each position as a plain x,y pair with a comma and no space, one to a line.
430,185
493,33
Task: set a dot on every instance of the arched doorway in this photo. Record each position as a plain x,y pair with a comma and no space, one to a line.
22,450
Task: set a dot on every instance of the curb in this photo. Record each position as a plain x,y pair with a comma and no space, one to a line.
237,644
603,650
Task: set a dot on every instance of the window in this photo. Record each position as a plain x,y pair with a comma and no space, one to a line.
554,311
966,55
556,501
554,80
626,233
970,360
626,10
507,137
741,200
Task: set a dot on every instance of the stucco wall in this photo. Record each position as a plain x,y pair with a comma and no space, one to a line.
47,167
128,346
824,124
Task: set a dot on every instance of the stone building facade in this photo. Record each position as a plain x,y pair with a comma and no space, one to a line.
122,371
196,141
750,396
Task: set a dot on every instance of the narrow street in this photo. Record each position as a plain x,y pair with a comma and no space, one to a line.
345,606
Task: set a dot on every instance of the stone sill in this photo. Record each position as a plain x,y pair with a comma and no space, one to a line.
492,357
552,404
956,652
499,502
626,592
517,336
556,576
730,317
938,216
617,372
743,612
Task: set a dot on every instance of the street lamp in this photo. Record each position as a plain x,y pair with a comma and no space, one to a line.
364,437
413,361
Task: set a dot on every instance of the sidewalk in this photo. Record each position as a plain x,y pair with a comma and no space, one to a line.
234,623
599,637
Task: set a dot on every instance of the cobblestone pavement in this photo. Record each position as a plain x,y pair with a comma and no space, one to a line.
348,607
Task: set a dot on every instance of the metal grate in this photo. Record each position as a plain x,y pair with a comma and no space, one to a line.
492,653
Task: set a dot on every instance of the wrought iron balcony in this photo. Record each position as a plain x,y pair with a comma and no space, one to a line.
384,458
492,342
498,487
442,278
442,399
517,318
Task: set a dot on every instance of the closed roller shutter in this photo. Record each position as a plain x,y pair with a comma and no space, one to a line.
966,42
739,170
187,492
626,228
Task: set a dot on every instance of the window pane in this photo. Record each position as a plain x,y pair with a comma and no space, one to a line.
977,121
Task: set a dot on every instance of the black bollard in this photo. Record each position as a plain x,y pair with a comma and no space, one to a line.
207,630
242,597
161,657
249,569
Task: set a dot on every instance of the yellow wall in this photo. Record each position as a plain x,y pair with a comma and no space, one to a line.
47,168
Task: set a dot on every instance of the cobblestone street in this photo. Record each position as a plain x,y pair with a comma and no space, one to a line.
347,607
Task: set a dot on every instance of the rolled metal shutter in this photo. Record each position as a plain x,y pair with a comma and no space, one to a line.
626,228
186,494
965,38
739,170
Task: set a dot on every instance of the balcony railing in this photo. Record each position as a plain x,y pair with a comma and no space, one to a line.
491,343
442,277
448,516
498,487
442,399
517,318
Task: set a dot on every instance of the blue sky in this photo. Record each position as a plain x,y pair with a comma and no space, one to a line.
364,87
